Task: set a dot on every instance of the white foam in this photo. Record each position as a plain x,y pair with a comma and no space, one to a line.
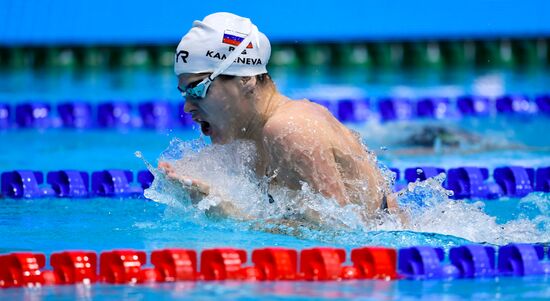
428,203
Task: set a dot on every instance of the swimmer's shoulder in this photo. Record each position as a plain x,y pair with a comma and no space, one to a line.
300,125
297,115
299,110
307,107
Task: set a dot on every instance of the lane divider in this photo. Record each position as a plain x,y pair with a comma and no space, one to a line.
126,266
473,181
466,182
74,184
170,114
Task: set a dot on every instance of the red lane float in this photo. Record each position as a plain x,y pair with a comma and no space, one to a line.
375,263
224,264
72,267
276,263
175,265
324,264
22,269
123,266
269,264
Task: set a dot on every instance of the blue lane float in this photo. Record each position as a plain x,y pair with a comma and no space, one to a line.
156,115
516,181
69,183
522,260
114,182
543,103
473,105
422,173
4,116
145,178
162,114
354,110
391,109
514,104
423,262
473,182
33,115
114,114
433,107
466,182
472,261
76,115
24,184
470,182
543,179
74,184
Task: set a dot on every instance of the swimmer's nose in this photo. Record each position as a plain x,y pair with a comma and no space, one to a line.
188,107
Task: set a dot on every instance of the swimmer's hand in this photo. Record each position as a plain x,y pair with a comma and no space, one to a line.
196,188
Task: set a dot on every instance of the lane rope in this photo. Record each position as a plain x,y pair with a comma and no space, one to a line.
126,266
466,182
170,114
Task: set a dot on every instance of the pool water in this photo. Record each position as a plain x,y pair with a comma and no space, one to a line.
492,289
49,224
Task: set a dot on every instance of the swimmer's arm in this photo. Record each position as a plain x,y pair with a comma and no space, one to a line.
307,155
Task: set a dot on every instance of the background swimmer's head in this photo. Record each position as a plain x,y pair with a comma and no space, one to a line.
229,104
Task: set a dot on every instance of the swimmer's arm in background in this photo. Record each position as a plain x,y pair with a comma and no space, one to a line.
197,190
306,155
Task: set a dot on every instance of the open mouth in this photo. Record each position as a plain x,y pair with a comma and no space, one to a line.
206,129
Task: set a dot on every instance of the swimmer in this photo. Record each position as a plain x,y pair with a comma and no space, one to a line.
221,68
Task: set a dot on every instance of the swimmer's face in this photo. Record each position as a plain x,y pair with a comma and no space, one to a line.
220,114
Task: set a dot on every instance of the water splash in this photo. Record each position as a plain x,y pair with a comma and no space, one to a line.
433,218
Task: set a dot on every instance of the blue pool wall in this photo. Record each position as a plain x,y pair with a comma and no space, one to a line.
155,22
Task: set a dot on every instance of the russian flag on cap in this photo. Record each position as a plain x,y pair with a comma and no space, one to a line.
233,38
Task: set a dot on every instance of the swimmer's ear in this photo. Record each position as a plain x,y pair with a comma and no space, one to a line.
248,83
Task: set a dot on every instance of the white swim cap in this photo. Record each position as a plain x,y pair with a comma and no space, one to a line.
214,39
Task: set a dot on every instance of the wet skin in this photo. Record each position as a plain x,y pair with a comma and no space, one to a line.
297,141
